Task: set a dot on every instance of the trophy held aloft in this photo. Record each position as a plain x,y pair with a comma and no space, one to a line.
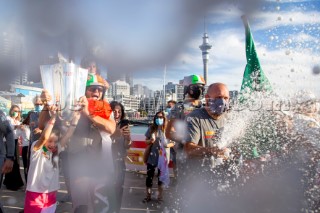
66,83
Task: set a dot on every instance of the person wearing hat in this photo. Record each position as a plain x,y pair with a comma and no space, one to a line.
193,90
90,156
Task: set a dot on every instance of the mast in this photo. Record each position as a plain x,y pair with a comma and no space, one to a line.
164,87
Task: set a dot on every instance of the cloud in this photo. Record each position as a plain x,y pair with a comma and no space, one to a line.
269,20
288,65
290,1
286,68
305,38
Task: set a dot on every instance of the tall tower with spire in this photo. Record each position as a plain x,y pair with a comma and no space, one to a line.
205,47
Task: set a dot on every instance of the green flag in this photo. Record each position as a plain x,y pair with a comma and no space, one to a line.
254,78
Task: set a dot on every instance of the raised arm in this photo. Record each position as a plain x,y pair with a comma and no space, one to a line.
48,128
44,116
72,127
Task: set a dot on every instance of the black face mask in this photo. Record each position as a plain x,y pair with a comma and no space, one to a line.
195,92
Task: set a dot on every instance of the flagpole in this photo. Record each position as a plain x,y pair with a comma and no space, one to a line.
164,87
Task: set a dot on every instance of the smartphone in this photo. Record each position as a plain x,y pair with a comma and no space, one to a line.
123,123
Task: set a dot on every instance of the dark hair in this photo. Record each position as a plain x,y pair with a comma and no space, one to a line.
172,101
86,61
113,104
26,121
154,126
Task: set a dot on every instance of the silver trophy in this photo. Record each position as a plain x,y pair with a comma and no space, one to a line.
66,83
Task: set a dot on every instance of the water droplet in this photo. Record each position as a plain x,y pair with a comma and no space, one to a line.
316,70
279,18
56,159
271,38
288,52
277,7
289,41
166,210
290,19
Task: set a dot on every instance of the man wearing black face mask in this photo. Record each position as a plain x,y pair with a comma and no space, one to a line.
193,90
176,127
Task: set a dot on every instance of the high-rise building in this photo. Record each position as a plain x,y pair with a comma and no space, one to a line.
180,90
129,79
13,56
120,88
174,91
130,102
138,90
147,92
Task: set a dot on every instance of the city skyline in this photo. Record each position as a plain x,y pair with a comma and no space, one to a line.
286,35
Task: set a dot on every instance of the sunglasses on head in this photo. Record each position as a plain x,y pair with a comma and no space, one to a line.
94,88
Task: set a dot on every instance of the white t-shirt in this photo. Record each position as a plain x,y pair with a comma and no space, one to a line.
25,135
13,122
42,176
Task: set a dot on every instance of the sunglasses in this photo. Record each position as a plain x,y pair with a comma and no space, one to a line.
193,87
94,88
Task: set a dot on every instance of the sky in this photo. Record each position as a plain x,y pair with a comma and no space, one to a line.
286,35
143,37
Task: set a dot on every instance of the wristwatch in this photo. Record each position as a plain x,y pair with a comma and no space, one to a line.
10,158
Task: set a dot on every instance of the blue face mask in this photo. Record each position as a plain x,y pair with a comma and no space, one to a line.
159,121
38,108
168,109
218,106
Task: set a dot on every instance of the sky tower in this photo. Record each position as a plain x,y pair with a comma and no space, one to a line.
205,47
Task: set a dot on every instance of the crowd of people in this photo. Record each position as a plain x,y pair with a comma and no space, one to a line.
92,148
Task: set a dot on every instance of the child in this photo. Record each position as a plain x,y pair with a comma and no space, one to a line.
43,174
